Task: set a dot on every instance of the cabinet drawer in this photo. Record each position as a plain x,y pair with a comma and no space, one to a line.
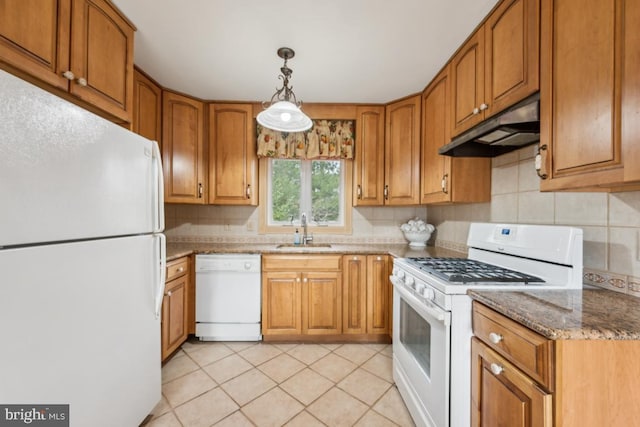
528,350
302,262
177,268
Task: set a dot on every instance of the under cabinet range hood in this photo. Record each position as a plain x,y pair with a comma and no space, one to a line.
510,130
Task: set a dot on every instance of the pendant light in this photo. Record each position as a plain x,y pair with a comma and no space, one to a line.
282,112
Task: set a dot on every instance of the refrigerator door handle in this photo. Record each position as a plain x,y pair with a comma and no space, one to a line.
161,275
159,190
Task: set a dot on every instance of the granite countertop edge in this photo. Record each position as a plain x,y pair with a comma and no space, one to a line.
179,250
573,314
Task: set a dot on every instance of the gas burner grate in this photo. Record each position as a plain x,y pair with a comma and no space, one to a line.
462,270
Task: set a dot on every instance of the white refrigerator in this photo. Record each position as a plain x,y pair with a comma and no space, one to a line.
82,260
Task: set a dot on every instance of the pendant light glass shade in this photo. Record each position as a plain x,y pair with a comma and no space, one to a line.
284,116
283,112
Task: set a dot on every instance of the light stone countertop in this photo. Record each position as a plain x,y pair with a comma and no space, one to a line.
576,314
177,250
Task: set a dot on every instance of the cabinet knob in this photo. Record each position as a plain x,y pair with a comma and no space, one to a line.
305,280
483,107
379,258
298,280
496,369
69,75
82,81
168,294
495,338
476,111
180,270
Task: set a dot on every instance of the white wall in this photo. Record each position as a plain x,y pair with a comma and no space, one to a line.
611,221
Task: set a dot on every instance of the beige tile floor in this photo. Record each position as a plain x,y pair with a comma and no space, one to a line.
259,384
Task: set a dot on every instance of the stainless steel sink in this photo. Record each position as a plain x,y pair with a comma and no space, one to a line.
307,246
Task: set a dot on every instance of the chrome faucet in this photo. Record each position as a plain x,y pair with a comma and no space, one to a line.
306,239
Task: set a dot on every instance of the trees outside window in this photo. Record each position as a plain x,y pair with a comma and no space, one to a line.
314,187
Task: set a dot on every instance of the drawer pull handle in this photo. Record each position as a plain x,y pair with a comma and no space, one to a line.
495,338
496,369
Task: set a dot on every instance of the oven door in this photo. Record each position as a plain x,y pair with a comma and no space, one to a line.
421,356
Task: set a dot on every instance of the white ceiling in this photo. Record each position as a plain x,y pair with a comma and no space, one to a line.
360,51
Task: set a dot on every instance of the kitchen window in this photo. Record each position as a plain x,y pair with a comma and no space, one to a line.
319,188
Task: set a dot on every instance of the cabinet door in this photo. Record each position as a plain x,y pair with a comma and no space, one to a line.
512,40
378,301
174,315
233,163
321,303
102,57
467,84
281,303
588,123
44,53
147,107
402,152
354,294
369,157
182,149
436,132
501,395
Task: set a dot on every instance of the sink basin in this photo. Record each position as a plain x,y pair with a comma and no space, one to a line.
307,246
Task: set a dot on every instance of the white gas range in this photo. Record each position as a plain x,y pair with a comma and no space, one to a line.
432,313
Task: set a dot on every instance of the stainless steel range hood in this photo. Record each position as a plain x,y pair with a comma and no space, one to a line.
514,128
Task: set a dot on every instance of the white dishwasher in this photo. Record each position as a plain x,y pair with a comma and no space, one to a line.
228,299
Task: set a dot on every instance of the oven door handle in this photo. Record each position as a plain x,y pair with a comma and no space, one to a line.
423,306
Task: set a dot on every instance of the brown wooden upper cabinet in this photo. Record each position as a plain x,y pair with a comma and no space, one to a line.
447,179
233,165
590,95
83,47
147,107
183,159
402,152
497,66
368,165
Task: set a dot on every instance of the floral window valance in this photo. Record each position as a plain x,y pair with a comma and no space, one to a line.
327,139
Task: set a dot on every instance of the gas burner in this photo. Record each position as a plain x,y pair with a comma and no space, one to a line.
462,270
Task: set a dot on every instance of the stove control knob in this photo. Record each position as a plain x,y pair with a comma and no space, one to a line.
419,288
400,274
429,293
409,281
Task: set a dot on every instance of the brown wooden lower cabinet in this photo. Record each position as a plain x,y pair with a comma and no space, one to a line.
325,297
175,306
520,378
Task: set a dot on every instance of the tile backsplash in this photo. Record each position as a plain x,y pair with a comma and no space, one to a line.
611,221
192,223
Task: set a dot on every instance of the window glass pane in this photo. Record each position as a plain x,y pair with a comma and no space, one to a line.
325,190
285,190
